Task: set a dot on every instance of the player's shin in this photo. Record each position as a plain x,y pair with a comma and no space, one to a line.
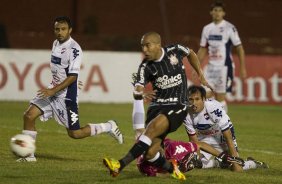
138,149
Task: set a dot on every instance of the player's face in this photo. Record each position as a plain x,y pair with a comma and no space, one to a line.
196,102
150,49
62,31
217,14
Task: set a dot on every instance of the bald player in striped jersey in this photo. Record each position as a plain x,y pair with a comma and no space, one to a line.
217,40
163,67
60,99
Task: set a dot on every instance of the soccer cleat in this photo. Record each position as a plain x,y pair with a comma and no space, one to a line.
113,166
115,132
27,159
259,164
177,174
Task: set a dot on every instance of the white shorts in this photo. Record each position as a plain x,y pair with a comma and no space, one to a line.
216,76
64,111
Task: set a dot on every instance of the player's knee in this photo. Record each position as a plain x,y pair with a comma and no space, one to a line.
28,115
74,134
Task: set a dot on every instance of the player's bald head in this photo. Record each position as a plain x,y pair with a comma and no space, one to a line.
153,37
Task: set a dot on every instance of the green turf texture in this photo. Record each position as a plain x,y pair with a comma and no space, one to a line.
62,160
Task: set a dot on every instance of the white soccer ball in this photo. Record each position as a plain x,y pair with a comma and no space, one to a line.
22,145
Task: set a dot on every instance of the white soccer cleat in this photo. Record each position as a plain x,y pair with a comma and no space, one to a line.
27,159
115,132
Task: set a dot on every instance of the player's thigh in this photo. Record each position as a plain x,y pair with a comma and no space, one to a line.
33,112
157,126
220,96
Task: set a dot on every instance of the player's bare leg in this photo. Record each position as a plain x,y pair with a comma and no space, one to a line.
29,117
221,98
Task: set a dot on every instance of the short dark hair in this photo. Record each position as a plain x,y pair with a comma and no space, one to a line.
218,4
194,89
63,19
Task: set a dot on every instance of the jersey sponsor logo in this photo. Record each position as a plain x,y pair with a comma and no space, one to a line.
209,132
215,37
142,78
74,117
203,126
217,112
165,82
180,149
56,60
75,53
173,59
167,100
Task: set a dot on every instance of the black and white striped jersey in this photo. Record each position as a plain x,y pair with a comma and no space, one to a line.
167,76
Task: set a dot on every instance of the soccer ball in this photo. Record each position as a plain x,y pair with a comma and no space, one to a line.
22,145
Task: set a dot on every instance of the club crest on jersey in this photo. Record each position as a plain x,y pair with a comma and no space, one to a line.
206,116
173,59
63,50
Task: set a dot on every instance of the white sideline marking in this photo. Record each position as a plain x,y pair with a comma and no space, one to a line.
260,151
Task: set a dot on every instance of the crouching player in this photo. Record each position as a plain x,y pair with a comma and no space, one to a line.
208,122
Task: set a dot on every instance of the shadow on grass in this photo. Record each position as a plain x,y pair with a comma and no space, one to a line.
54,157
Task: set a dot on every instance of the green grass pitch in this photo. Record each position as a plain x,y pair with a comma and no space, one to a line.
62,160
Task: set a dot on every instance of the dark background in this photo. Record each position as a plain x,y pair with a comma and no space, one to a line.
119,24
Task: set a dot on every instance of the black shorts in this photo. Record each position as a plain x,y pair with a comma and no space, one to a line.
174,113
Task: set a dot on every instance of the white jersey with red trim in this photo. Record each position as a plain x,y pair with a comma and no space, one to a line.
219,38
209,123
66,60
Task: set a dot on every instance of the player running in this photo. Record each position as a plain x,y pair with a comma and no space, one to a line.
60,99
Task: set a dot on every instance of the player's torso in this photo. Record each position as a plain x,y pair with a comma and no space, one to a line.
169,79
207,130
61,61
219,43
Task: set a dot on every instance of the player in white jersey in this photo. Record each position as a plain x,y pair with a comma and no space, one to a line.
217,40
59,100
208,122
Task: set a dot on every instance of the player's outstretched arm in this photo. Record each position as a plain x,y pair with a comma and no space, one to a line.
194,61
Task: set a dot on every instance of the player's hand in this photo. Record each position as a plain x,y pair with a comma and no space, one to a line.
225,158
205,83
80,85
243,73
44,93
149,95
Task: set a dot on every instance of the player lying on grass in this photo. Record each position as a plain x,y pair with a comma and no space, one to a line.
208,122
186,155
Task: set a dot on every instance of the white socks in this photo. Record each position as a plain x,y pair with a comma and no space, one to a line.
99,128
32,134
249,164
